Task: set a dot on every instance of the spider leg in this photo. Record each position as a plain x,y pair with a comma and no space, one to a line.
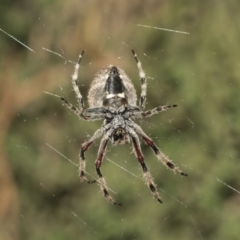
73,109
74,82
101,180
157,110
146,174
136,113
85,114
163,158
143,81
84,148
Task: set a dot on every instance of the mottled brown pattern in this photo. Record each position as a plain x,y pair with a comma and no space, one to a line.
96,92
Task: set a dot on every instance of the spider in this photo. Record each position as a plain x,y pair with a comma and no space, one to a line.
112,98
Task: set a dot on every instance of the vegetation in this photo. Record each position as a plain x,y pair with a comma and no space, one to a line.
41,195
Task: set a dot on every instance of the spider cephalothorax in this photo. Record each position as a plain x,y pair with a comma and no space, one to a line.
112,98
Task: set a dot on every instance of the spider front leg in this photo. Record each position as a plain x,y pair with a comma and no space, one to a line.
163,158
84,148
79,111
146,174
101,180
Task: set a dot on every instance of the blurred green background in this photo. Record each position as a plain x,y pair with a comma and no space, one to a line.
41,196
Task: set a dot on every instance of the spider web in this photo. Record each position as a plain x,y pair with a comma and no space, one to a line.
44,138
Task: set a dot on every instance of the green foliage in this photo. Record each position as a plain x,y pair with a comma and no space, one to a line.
199,72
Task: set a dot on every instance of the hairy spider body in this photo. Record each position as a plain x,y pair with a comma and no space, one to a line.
120,136
112,98
112,85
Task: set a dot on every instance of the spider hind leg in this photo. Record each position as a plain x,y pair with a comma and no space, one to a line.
152,186
103,187
142,76
74,83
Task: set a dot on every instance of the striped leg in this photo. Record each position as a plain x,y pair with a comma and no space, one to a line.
101,180
143,81
136,113
146,174
157,110
84,148
74,82
163,158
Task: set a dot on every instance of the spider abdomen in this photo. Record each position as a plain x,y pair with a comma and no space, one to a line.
111,87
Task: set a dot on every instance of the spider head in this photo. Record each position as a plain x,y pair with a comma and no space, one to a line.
120,136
